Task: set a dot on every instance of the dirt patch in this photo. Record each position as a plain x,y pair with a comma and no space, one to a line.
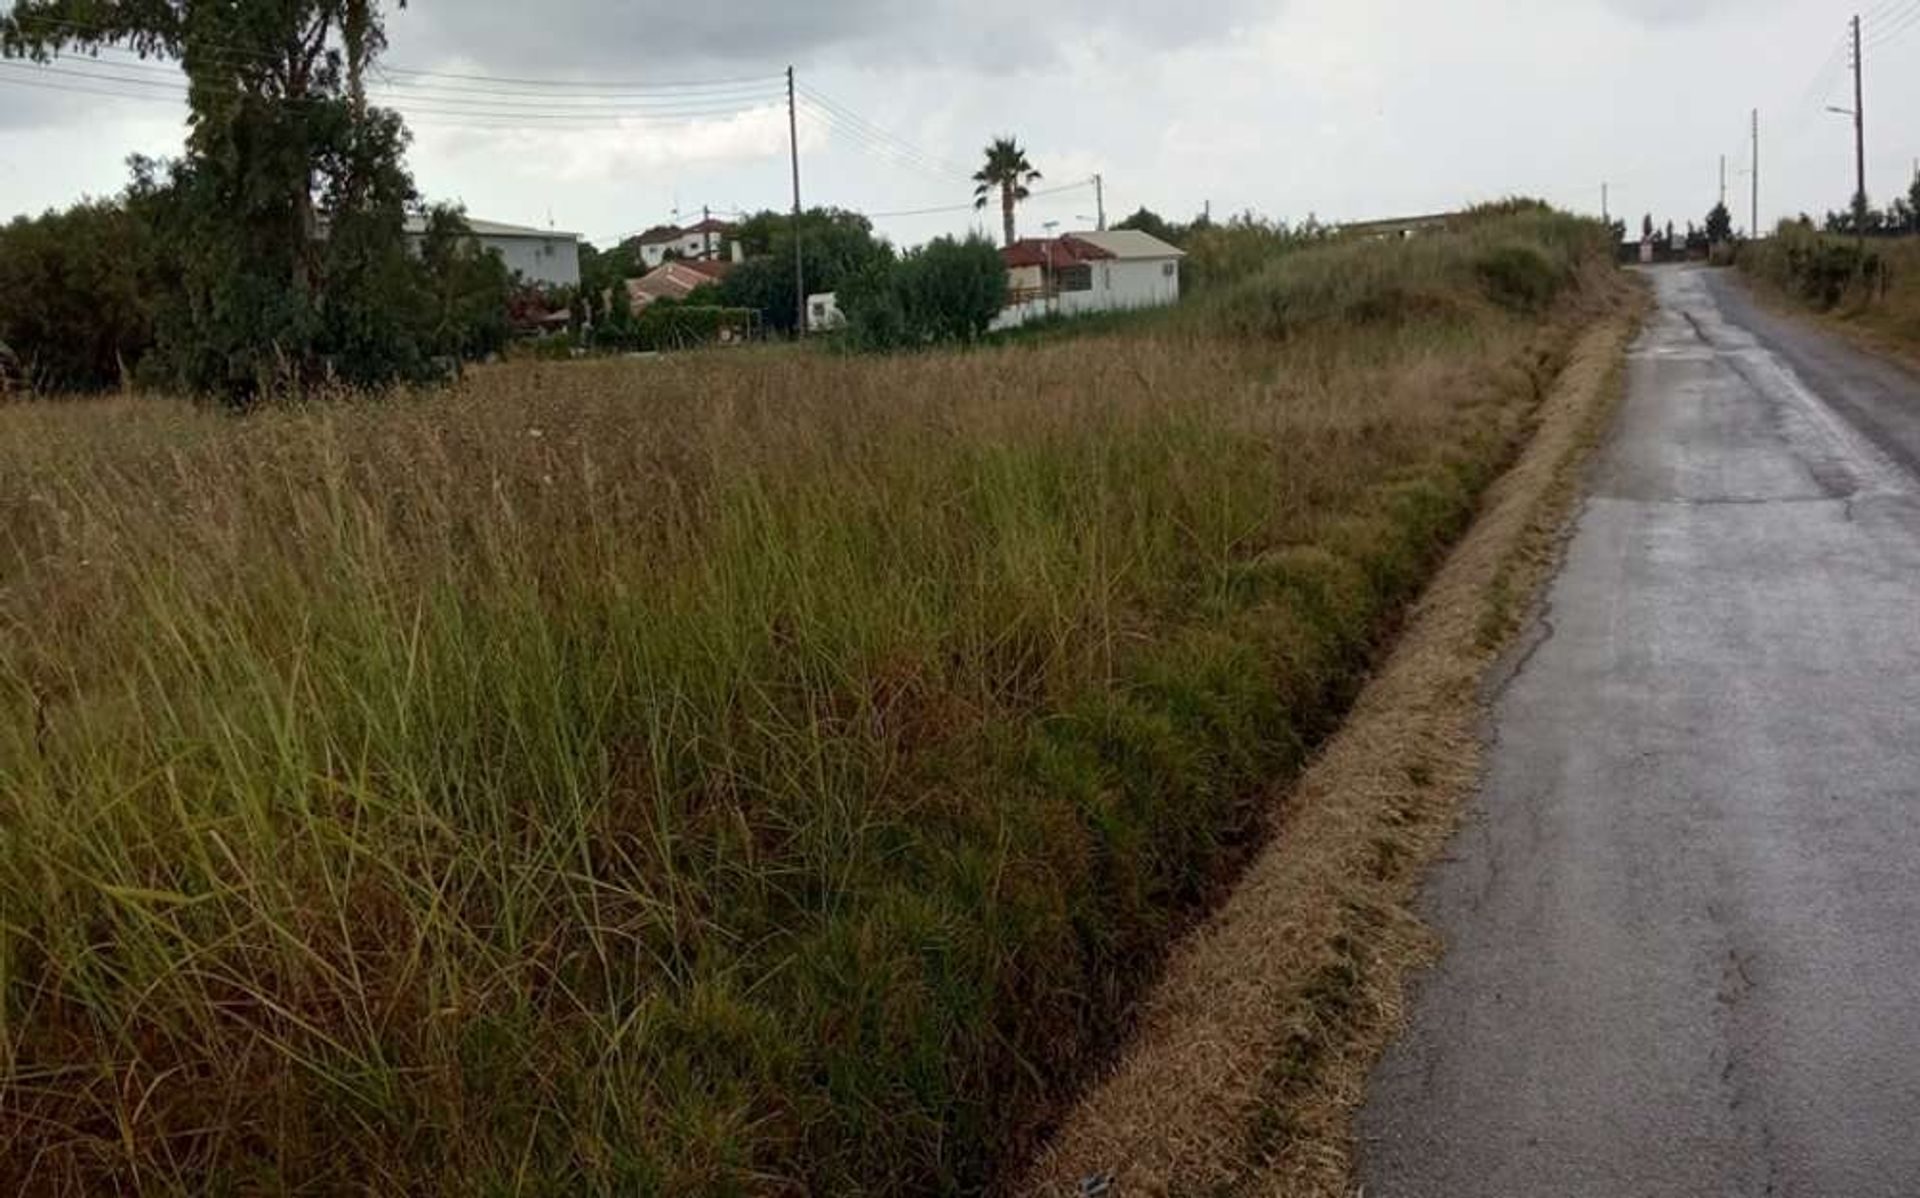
1252,1054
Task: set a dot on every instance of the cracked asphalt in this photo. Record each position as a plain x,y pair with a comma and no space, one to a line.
1683,914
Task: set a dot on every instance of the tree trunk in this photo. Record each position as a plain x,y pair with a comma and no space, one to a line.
1006,210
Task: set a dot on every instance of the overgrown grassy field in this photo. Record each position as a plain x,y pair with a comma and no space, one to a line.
1878,294
758,774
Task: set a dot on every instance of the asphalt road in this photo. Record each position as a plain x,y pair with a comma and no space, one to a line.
1683,918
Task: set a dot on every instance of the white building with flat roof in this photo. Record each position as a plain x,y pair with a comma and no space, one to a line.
544,257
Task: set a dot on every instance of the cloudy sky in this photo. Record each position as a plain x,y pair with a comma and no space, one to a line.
603,117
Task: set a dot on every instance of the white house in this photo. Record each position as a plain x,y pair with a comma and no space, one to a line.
542,256
709,241
1079,273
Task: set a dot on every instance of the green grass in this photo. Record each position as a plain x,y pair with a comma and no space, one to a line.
775,774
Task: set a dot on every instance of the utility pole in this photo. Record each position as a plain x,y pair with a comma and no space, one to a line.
1100,199
1723,180
706,232
1753,230
799,264
1859,138
1606,211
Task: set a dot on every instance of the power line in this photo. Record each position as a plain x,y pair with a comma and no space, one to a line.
821,100
425,116
878,150
1895,27
1038,195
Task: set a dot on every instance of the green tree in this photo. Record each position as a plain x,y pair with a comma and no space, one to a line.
1913,201
1154,225
834,245
466,289
1007,174
1719,224
284,216
72,303
946,291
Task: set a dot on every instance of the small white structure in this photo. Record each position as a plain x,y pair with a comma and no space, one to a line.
543,256
708,241
824,314
1080,273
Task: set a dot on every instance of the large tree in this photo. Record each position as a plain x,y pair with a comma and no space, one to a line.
284,216
1007,174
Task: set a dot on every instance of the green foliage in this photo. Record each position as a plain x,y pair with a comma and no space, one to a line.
667,327
835,245
72,301
947,291
1520,275
1147,221
1006,176
1821,270
1220,255
1719,224
465,290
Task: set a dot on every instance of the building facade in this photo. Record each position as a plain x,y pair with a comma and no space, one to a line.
543,257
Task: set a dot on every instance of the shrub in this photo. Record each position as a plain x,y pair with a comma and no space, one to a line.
947,291
1519,275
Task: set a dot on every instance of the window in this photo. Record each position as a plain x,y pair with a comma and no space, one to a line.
1169,269
1074,278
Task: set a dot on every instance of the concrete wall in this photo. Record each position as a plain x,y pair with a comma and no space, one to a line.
549,261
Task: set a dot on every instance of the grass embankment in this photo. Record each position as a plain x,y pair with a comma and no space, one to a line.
764,774
1875,296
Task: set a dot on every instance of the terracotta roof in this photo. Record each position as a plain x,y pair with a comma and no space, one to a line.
1055,254
710,225
674,280
714,269
659,234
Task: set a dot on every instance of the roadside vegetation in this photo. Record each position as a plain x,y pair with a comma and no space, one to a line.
1875,290
777,775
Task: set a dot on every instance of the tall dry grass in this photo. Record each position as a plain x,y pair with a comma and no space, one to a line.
768,773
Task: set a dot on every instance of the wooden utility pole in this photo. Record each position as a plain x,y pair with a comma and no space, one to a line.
1723,180
1753,230
799,262
1606,214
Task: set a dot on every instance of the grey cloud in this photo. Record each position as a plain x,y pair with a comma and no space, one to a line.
681,40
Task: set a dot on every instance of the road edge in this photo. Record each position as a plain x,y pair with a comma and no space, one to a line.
1253,1051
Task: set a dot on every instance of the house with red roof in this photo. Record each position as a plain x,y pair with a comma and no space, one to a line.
1079,273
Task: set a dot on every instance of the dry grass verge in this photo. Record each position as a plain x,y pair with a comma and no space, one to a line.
1252,1054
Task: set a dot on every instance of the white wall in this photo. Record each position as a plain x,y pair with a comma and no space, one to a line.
1116,285
549,261
691,245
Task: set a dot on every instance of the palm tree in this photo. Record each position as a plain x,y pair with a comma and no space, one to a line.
1008,172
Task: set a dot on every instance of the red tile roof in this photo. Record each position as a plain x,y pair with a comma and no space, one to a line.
1056,254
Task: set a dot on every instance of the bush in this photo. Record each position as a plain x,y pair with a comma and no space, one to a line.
1519,275
1816,268
947,291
